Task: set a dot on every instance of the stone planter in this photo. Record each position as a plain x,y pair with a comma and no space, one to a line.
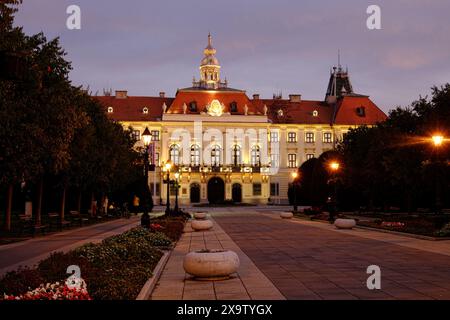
201,225
345,223
211,264
286,215
200,215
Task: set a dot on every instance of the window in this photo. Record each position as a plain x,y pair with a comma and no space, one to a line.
327,137
292,137
173,189
280,113
292,160
236,155
157,189
233,107
274,136
309,137
174,154
257,189
309,156
155,135
215,156
256,156
275,160
193,106
274,189
110,110
156,159
145,110
136,135
315,113
195,155
361,111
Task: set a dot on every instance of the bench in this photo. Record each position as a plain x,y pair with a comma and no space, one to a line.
77,217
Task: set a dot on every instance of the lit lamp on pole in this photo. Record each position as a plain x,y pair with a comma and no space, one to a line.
294,176
168,166
334,167
177,177
437,141
145,219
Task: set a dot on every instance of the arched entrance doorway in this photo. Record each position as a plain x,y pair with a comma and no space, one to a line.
195,193
237,193
216,190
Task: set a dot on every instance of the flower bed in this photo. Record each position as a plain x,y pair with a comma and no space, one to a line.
114,269
429,225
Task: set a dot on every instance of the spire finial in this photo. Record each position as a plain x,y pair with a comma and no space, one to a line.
209,39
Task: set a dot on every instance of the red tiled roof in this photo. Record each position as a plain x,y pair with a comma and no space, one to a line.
296,112
204,97
347,113
131,108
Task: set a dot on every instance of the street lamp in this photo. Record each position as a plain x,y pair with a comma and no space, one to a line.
177,176
438,141
145,219
294,184
334,167
168,166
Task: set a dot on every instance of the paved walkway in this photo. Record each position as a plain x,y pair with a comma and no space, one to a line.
249,283
30,252
295,259
312,260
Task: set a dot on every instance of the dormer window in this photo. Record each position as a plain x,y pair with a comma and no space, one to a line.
280,113
315,113
145,110
110,110
233,107
361,111
193,106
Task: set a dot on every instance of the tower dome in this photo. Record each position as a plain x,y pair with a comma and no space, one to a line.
210,68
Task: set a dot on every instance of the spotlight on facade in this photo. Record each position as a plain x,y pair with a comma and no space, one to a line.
334,166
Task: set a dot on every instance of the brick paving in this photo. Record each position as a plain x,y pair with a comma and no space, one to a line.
310,260
248,284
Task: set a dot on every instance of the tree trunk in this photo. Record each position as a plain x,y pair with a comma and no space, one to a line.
63,205
92,204
9,208
37,218
79,201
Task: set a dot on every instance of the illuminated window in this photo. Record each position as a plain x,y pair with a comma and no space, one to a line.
215,156
310,156
174,154
256,156
292,160
280,113
145,110
136,135
155,135
195,155
309,137
274,136
274,160
292,137
315,113
236,155
110,110
327,137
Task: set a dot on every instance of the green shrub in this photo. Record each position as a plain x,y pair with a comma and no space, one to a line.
20,281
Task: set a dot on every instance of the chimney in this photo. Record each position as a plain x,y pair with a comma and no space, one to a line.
295,98
256,96
162,94
121,94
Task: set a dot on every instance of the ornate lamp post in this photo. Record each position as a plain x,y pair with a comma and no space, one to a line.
438,141
177,176
168,166
294,185
334,167
145,219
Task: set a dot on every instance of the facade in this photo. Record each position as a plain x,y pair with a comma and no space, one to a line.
228,146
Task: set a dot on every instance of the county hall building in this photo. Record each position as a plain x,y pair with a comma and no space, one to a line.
227,146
